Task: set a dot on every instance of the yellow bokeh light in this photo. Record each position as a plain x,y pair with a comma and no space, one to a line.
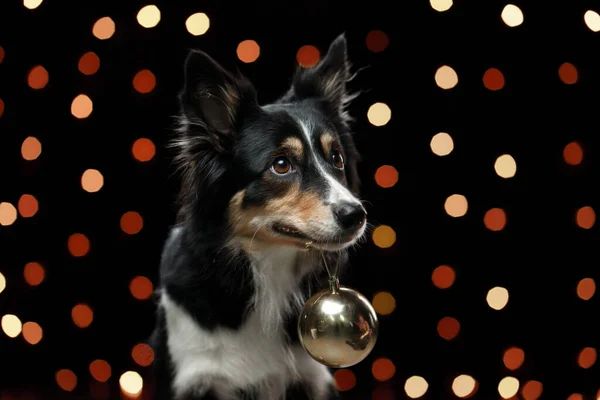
415,387
82,106
441,144
384,236
32,4
384,303
592,20
463,385
131,383
456,205
446,77
512,15
8,214
2,282
197,24
379,114
11,325
505,166
148,16
104,28
508,387
92,180
441,5
497,298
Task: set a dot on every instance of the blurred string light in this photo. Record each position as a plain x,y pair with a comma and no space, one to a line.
441,144
34,273
143,149
585,217
386,176
384,236
573,153
89,63
11,325
568,73
104,28
512,15
495,219
8,214
82,106
148,16
197,24
2,282
31,148
345,379
131,222
448,328
144,81
497,298
248,51
532,390
416,387
28,206
37,78
586,288
384,303
464,386
131,383
100,370
456,205
493,79
66,380
377,41
592,20
82,315
587,357
440,5
308,56
32,4
513,358
142,354
443,277
446,77
379,114
92,180
78,245
505,166
508,387
383,369
141,287
32,332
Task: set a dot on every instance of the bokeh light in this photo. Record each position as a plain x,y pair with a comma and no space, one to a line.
344,379
308,56
78,244
82,315
148,16
8,214
456,205
532,390
2,54
497,298
143,149
448,328
32,332
495,219
575,396
464,386
82,106
379,114
384,236
11,325
441,144
31,148
1,107
443,277
416,387
505,166
513,358
66,380
586,288
131,383
104,28
100,370
2,282
142,354
37,77
384,303
32,4
131,222
377,41
441,5
493,79
508,387
567,73
144,81
592,20
248,51
92,180
585,217
28,206
89,63
573,153
587,357
141,287
197,24
383,369
386,176
34,273
446,77
512,15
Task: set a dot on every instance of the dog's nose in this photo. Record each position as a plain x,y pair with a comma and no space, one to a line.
350,216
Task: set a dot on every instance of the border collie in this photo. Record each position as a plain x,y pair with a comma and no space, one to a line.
258,183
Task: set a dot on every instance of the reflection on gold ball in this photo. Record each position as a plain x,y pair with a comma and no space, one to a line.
338,327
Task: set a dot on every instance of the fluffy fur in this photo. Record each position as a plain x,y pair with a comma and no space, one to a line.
258,183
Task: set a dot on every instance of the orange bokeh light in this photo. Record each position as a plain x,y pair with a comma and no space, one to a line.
386,176
82,315
37,77
78,244
143,149
100,370
575,396
585,217
66,379
493,79
443,277
32,332
568,73
144,81
31,148
344,379
141,287
2,53
131,222
143,354
248,51
587,357
495,219
383,369
34,273
532,390
27,205
513,358
89,63
1,107
308,56
586,288
377,41
448,328
573,153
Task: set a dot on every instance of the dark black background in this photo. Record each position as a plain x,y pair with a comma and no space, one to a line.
539,257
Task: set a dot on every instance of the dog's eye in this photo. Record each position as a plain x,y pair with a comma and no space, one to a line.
281,166
337,159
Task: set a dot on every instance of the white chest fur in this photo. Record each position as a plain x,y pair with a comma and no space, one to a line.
255,355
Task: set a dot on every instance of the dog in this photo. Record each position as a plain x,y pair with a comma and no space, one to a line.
258,183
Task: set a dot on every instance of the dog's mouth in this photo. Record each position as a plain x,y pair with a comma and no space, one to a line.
290,231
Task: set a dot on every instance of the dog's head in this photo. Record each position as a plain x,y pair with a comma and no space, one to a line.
282,173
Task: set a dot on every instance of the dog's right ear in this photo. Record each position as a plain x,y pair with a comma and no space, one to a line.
214,100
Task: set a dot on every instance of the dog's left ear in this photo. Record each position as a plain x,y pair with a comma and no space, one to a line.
326,80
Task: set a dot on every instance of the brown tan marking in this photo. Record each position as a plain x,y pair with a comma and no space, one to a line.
294,145
327,140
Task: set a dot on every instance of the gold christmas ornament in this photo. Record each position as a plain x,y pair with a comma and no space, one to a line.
338,326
